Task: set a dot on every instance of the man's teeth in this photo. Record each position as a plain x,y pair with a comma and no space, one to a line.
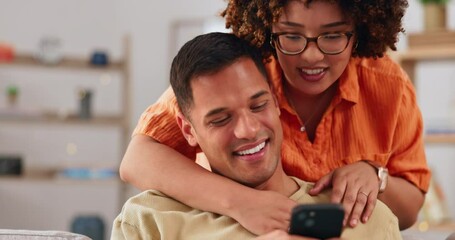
253,150
312,71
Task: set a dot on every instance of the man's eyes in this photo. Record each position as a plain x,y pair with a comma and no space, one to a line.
219,121
223,120
260,106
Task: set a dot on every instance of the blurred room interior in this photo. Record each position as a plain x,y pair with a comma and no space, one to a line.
76,75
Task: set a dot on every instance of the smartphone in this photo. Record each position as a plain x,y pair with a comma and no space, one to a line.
320,221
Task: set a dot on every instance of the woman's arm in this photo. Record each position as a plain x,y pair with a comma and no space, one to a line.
148,164
404,199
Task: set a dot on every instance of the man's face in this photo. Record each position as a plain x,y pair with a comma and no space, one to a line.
235,120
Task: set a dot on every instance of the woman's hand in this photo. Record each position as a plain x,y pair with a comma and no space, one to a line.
264,212
356,186
282,235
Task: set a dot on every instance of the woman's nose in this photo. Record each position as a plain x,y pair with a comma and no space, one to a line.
312,54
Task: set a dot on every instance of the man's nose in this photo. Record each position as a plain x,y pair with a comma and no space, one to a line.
247,126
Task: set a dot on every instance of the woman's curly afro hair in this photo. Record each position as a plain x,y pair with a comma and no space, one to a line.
377,22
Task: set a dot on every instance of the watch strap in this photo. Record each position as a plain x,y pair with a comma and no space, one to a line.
382,174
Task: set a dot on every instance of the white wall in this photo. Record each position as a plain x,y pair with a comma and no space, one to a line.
150,27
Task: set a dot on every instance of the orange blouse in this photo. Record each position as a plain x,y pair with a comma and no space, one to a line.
373,116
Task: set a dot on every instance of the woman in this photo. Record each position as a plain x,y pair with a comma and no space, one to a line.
348,114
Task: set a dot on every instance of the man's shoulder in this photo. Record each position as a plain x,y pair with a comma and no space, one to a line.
302,196
382,224
382,213
151,213
144,213
153,200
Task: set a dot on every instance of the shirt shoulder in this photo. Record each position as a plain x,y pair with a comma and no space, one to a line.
153,215
151,202
382,225
158,121
381,71
138,218
301,196
380,82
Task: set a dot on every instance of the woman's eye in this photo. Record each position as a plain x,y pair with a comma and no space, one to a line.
332,36
292,37
259,107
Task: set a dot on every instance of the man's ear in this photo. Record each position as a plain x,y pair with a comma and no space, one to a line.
187,129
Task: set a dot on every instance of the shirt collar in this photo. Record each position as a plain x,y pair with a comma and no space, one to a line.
349,81
275,74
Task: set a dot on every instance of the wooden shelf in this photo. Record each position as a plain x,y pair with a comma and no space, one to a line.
423,54
444,38
27,60
440,138
57,180
54,119
426,47
434,46
46,184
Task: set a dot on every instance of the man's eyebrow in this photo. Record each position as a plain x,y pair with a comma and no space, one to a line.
222,109
214,112
259,94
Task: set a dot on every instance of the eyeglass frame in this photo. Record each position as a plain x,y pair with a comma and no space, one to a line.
274,36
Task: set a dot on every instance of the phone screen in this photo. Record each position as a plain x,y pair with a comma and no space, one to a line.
317,220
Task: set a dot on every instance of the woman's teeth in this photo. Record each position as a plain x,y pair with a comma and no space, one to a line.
312,71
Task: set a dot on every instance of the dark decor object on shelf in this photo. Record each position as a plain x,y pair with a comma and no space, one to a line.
99,58
10,165
90,226
85,102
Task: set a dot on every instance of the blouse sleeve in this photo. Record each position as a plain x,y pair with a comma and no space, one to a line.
158,121
408,159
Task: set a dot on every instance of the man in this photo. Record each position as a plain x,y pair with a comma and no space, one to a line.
227,109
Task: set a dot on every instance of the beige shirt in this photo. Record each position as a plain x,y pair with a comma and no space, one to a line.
153,215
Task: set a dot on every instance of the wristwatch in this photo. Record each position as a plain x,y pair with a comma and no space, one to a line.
382,172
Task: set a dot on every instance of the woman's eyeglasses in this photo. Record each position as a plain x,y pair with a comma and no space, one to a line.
327,43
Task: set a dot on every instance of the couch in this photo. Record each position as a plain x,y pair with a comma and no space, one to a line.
13,234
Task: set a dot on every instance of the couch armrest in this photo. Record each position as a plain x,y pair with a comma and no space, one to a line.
13,234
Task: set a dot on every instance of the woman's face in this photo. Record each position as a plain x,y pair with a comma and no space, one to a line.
312,72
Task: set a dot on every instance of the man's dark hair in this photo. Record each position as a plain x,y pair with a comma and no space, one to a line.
204,55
